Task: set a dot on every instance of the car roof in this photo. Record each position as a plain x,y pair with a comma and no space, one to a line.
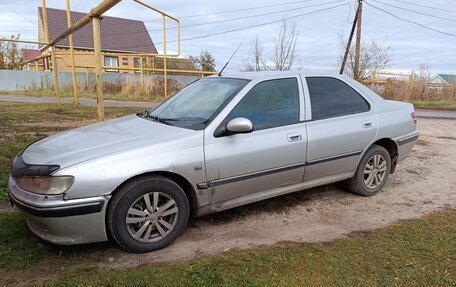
278,74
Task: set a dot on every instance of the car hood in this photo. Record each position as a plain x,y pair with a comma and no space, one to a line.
85,143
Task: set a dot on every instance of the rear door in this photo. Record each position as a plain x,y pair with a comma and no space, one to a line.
271,156
343,123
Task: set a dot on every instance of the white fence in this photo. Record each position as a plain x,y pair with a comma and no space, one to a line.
22,80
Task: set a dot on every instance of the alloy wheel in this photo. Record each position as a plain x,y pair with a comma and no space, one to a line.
152,217
375,171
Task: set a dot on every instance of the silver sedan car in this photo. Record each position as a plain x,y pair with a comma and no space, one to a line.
222,142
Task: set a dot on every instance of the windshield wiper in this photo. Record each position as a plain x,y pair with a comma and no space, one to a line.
158,119
195,120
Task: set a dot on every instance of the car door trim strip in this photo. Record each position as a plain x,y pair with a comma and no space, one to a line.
249,175
407,140
218,182
336,157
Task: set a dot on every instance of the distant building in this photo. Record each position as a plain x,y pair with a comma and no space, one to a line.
442,80
30,54
118,35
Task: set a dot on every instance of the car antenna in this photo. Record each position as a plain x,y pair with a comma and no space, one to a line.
220,73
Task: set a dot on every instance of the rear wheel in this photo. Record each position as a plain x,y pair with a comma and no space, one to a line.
148,214
372,172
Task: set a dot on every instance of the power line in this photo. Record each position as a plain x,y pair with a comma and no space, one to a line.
259,25
238,10
240,18
323,10
425,6
410,21
414,11
250,16
11,8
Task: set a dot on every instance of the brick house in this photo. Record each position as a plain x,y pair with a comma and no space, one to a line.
118,35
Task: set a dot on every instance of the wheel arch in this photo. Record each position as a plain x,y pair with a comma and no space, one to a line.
177,178
392,148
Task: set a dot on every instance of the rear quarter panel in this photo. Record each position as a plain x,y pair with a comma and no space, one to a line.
395,122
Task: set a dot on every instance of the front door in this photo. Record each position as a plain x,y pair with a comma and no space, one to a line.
271,156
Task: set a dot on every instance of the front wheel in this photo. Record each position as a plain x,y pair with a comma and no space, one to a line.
372,172
148,214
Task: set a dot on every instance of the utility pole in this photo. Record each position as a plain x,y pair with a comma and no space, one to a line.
358,40
347,49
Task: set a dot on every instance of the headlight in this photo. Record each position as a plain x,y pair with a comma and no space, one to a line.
45,184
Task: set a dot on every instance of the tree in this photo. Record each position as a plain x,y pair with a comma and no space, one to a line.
254,60
373,59
423,73
283,54
11,57
204,61
284,41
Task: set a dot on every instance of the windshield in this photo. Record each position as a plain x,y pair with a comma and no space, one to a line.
196,105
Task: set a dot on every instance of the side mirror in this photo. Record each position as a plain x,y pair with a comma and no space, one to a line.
239,126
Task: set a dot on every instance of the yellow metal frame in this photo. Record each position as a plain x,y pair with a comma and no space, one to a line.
94,16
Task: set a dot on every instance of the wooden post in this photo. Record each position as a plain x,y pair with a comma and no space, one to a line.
358,40
165,86
87,80
142,73
96,24
73,69
347,49
55,76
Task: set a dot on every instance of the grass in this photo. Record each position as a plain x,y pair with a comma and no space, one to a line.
437,105
420,94
412,253
21,124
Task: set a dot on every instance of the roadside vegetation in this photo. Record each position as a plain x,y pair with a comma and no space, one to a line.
411,253
126,90
422,96
21,124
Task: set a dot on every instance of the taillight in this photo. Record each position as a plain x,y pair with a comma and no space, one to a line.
414,117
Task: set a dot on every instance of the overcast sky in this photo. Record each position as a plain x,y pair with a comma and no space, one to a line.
317,47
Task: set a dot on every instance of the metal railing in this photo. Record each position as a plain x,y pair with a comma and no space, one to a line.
94,16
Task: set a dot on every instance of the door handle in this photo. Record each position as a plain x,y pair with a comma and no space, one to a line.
367,124
294,138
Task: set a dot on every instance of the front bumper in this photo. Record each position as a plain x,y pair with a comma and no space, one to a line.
60,221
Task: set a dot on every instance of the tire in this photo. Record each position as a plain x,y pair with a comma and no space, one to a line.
370,183
150,228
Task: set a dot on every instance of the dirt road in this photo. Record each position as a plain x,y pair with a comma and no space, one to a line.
424,182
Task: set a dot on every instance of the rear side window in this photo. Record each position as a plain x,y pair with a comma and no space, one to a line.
270,104
330,97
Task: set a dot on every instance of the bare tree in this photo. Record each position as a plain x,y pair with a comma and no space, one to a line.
373,58
283,56
284,41
11,57
254,60
423,73
205,61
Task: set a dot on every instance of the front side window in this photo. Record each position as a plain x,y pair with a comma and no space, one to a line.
196,105
331,97
111,62
270,104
